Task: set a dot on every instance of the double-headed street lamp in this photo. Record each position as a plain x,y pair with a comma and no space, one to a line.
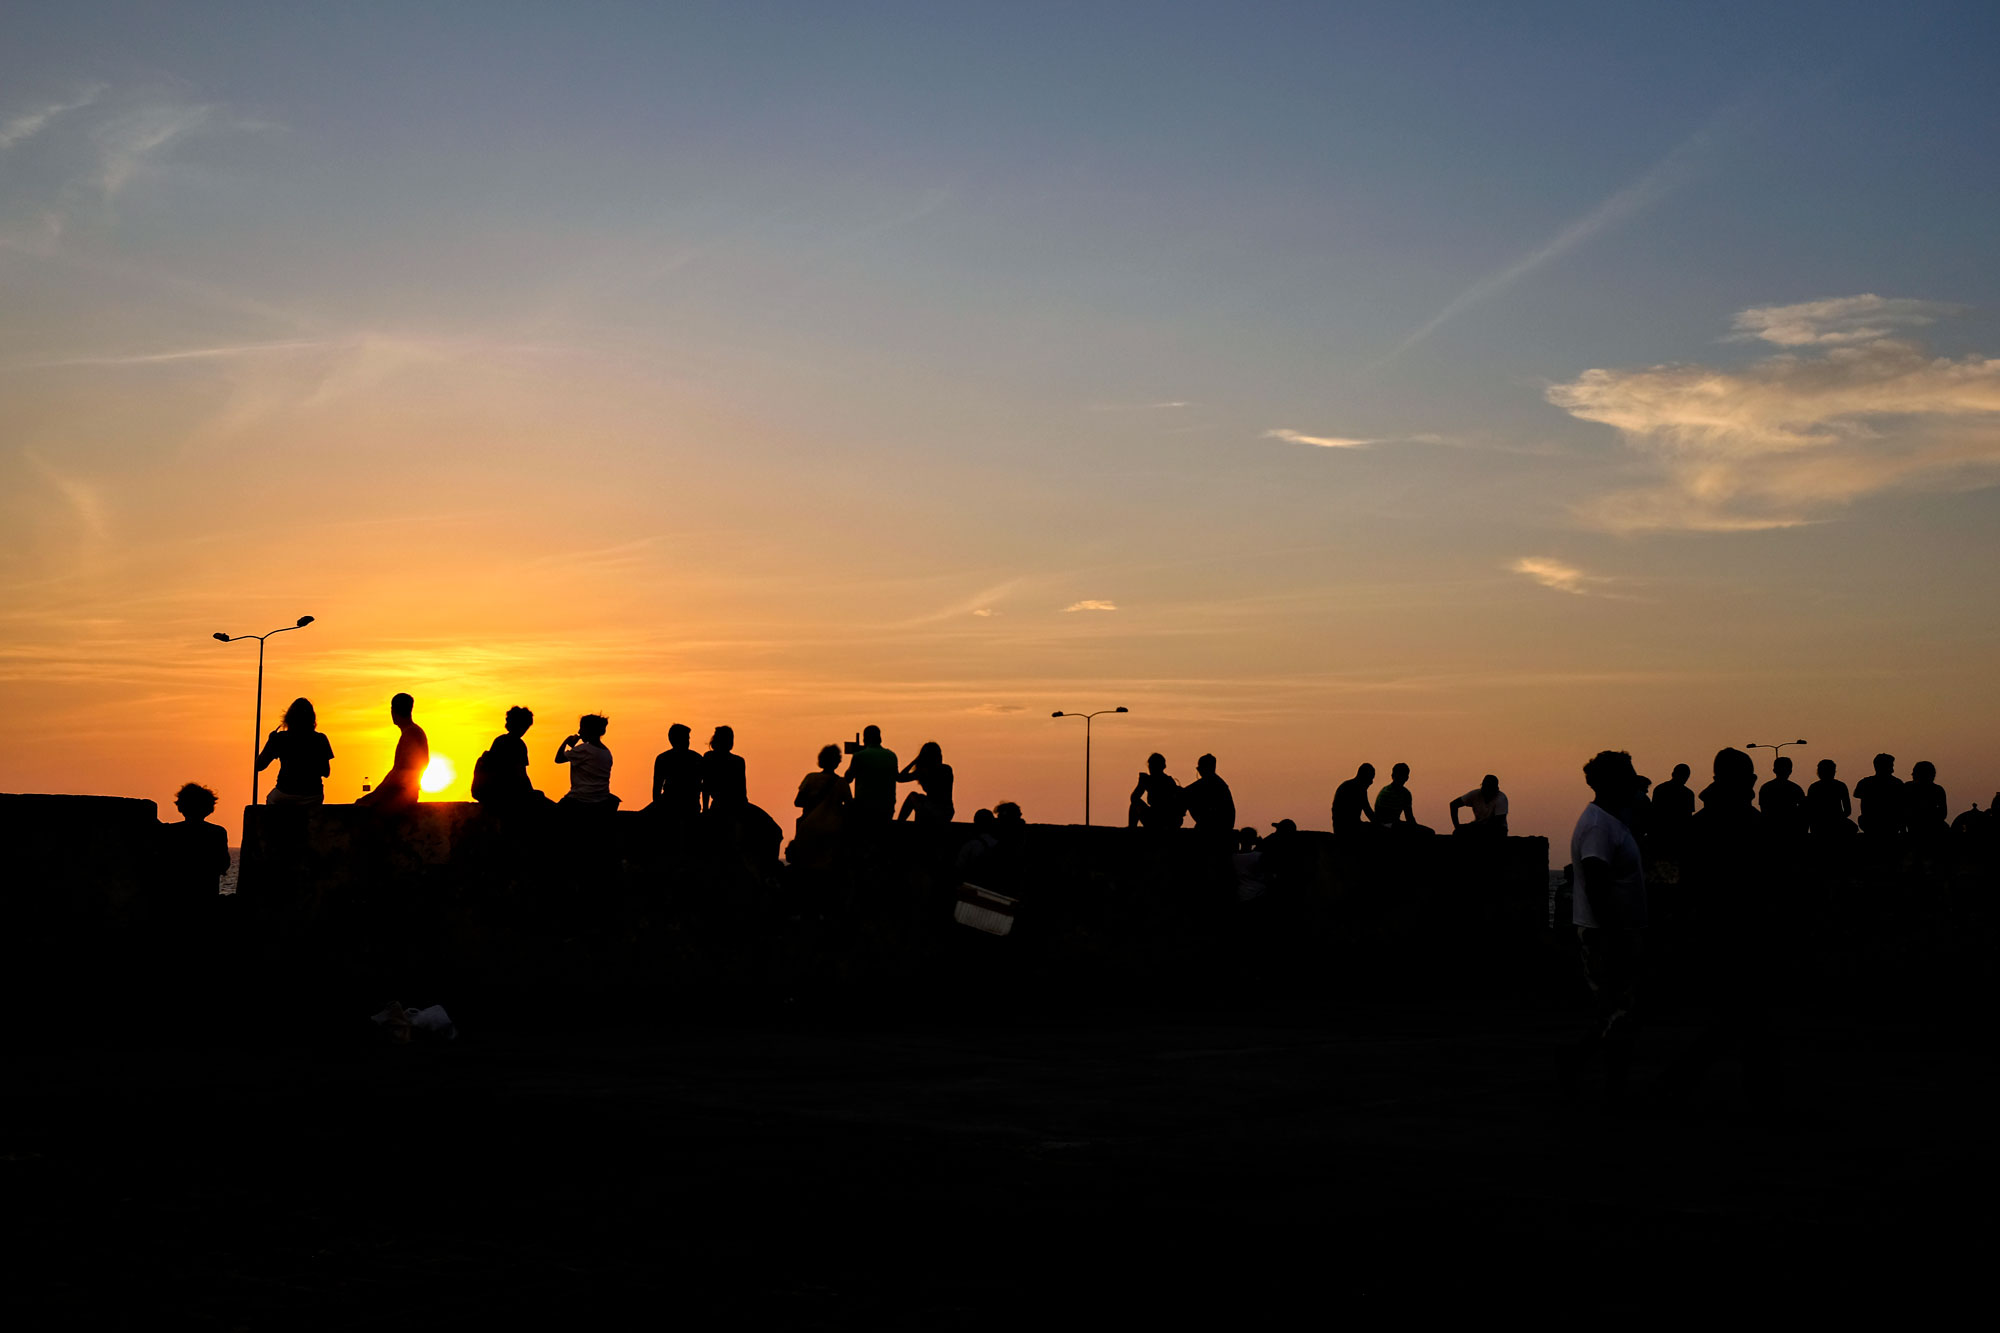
257,732
1086,751
1775,750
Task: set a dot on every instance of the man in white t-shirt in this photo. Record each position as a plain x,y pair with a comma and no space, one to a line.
1609,912
1489,810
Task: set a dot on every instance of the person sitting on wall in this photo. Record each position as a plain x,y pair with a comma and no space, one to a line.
304,757
1926,812
1489,809
822,803
871,776
194,855
1209,800
933,804
677,779
1829,806
1881,797
1782,801
398,789
500,777
589,760
982,841
725,782
1395,808
1157,802
1353,816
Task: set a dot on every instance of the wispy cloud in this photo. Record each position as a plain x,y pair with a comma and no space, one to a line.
221,353
983,611
1796,437
27,124
1668,174
1290,436
1837,321
1165,405
1091,605
1553,573
83,499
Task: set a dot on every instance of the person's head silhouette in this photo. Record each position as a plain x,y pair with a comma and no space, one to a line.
1399,774
1923,771
982,821
1682,773
195,802
300,716
1156,763
1735,777
591,726
829,757
871,735
1827,768
930,755
1007,818
1205,765
1885,765
724,739
401,707
1610,775
678,736
1366,773
519,720
1782,766
1643,784
1489,784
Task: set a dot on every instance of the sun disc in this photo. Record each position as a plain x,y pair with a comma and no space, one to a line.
439,775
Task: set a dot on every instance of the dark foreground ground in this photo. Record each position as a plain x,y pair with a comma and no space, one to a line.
1105,1165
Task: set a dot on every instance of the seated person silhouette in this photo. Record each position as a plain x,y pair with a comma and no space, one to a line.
822,801
1208,799
1782,801
1489,809
677,777
871,776
725,789
1352,814
982,841
1156,801
929,770
1925,809
398,789
1881,797
194,855
589,760
304,757
1827,805
1396,807
500,777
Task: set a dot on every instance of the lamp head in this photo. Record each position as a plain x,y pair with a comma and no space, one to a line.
303,622
1057,713
1121,710
223,637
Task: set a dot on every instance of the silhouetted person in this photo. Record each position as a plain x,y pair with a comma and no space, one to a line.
1926,812
822,802
1395,808
1881,797
1609,911
304,757
933,804
1208,799
1733,881
1783,801
976,849
1828,807
677,778
500,777
1156,801
1488,805
1351,811
871,775
194,855
589,760
725,786
398,789
1673,808
1005,868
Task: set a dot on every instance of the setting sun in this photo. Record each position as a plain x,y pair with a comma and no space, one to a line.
439,775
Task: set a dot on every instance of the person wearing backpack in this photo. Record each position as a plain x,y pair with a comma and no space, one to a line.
500,776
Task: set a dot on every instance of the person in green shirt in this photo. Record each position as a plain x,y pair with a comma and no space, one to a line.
872,776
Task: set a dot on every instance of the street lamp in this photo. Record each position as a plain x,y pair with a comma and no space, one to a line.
1774,749
1086,751
257,732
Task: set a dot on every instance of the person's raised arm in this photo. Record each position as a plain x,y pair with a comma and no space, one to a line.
269,752
1140,789
563,750
1457,804
909,773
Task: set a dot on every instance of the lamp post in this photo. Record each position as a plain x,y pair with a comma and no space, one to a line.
257,728
1775,750
1086,751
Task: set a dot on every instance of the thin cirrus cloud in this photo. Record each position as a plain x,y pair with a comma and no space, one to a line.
1799,436
1290,436
25,125
1092,604
1556,574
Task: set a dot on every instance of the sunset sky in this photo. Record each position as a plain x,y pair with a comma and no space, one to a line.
1476,386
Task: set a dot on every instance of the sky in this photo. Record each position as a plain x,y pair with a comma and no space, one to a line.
1471,386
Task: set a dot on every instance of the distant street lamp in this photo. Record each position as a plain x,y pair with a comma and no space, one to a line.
257,730
1774,749
1086,751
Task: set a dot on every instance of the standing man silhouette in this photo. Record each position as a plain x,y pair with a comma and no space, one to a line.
872,774
1881,797
1610,916
398,789
677,779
